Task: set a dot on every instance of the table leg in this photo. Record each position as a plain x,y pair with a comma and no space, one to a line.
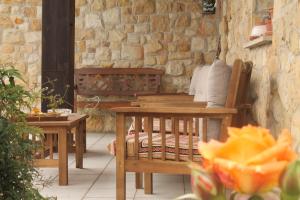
79,145
63,156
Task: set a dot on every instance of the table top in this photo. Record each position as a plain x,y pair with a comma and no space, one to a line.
73,119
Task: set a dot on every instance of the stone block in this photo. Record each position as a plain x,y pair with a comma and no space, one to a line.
112,16
123,2
115,45
183,45
122,64
88,59
98,5
5,9
5,22
93,21
35,25
160,23
175,68
209,57
30,12
164,6
132,52
143,7
162,59
180,55
79,3
11,36
7,48
168,37
116,36
183,21
33,37
143,18
103,54
178,7
88,34
111,3
129,19
207,28
141,28
137,63
116,55
150,60
198,44
133,38
153,47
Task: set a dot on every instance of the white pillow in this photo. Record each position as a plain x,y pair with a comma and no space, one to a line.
217,88
217,84
201,84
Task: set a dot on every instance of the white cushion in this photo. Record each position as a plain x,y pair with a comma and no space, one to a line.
217,89
217,84
201,84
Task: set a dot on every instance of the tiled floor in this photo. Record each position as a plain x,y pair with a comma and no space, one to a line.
97,179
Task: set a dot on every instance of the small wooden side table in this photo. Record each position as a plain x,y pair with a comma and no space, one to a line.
62,128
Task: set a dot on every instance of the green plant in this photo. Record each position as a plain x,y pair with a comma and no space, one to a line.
16,151
53,100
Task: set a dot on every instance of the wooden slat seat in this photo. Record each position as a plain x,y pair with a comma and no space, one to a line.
143,146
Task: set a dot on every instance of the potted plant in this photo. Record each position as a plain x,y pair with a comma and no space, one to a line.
16,158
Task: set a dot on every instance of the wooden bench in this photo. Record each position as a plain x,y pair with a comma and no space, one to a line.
141,158
126,83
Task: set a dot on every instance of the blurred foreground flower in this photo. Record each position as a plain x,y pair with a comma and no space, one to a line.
251,160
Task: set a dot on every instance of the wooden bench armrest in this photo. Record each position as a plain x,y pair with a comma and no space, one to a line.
177,110
166,97
169,104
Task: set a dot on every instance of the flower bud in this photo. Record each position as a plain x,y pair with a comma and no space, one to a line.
290,179
204,183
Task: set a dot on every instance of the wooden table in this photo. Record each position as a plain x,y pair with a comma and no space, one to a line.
62,128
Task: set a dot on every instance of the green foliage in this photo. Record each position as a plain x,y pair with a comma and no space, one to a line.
53,100
16,153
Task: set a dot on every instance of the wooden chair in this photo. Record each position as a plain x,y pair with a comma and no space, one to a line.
134,161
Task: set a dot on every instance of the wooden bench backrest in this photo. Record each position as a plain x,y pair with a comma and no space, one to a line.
239,89
117,81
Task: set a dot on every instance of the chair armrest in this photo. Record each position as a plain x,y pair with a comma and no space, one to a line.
177,110
166,97
169,104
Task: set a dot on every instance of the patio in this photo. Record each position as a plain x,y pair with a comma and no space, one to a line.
154,81
97,179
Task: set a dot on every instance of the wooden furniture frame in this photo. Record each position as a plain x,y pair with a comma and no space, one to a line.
241,73
62,128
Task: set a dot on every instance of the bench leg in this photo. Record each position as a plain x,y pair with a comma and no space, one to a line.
138,180
148,183
120,158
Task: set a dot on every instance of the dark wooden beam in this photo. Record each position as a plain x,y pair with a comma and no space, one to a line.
58,32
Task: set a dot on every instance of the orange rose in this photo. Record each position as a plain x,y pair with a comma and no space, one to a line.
251,160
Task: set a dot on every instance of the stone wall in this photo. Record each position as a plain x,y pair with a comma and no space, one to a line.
163,34
276,75
20,36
